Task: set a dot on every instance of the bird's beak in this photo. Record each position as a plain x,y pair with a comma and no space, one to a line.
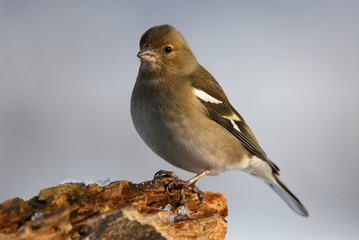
147,55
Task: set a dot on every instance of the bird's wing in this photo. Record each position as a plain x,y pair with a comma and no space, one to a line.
211,95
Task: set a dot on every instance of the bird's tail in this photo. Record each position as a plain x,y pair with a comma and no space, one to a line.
288,196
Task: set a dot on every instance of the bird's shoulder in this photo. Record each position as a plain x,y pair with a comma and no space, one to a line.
211,94
202,80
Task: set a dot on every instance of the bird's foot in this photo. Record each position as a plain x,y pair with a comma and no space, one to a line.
200,194
183,185
164,173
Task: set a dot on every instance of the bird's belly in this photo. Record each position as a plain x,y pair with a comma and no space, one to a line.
187,143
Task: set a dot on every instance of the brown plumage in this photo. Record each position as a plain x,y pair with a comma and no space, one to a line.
184,116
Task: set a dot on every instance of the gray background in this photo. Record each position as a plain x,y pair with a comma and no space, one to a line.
291,68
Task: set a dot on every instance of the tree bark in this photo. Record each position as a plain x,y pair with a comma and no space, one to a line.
119,210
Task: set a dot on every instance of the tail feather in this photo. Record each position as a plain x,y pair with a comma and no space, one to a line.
288,197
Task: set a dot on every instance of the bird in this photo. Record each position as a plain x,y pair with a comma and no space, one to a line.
183,115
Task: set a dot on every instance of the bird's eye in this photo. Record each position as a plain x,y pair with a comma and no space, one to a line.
168,49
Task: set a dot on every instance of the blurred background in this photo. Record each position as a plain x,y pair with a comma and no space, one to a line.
291,68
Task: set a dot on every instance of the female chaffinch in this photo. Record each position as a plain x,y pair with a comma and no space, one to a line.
184,116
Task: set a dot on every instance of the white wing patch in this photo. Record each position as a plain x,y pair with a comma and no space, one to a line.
205,96
235,126
208,98
233,117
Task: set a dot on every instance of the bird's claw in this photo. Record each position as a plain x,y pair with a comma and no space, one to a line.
179,183
164,173
200,194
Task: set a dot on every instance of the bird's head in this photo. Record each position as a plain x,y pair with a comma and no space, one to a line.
164,50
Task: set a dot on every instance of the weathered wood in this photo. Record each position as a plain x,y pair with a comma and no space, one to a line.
120,210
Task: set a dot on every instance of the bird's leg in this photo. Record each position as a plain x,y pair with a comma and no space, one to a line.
183,185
